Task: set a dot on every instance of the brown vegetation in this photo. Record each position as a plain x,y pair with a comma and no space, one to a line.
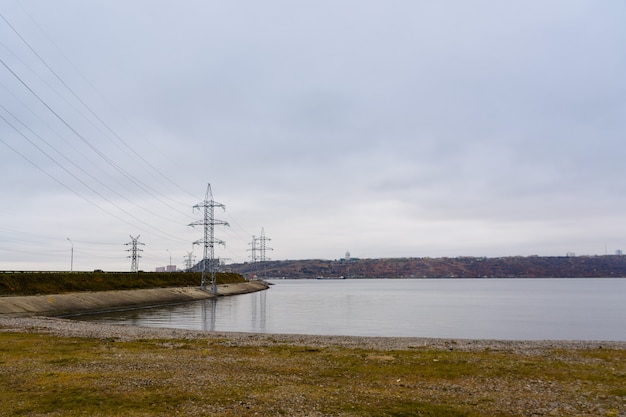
32,283
461,267
128,371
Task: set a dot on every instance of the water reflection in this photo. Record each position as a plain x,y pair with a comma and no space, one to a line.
584,309
246,313
259,312
209,314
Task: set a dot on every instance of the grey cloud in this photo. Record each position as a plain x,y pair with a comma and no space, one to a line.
477,122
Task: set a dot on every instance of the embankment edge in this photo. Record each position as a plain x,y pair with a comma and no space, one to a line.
91,302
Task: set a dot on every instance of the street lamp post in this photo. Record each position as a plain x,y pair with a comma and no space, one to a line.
71,255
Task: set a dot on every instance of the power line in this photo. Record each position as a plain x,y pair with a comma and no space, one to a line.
93,148
66,164
144,187
149,190
75,177
85,105
71,162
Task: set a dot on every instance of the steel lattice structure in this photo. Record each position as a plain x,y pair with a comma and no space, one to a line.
189,260
209,263
253,249
263,246
134,253
259,246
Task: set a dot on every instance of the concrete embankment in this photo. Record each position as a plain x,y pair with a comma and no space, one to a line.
84,302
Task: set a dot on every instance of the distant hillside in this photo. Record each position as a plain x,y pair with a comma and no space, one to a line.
462,267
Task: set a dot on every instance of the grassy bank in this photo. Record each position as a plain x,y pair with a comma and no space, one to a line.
32,283
41,374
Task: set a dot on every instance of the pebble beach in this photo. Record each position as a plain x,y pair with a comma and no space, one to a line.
301,375
74,328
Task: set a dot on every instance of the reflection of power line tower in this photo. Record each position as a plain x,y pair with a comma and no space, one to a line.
134,253
190,259
209,241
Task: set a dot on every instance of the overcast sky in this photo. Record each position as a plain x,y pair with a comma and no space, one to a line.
384,128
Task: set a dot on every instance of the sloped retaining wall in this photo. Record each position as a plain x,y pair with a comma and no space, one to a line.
83,302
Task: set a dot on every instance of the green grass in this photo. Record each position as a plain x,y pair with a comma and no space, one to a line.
27,283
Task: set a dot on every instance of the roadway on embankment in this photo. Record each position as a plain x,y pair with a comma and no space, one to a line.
89,302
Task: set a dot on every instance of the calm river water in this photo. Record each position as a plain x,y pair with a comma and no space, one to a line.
516,309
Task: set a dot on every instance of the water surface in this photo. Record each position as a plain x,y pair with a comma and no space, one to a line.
516,309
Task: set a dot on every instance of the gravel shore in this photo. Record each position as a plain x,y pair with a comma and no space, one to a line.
198,373
73,328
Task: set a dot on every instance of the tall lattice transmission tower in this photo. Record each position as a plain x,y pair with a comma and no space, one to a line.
258,248
134,253
263,246
253,249
189,261
209,263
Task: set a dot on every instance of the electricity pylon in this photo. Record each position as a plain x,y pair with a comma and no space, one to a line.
134,253
189,260
263,246
259,245
209,241
253,249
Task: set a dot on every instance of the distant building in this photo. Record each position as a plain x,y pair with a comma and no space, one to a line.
167,268
619,252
